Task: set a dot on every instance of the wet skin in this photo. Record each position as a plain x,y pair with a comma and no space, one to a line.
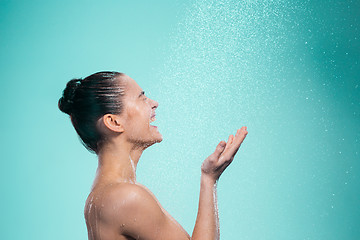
120,208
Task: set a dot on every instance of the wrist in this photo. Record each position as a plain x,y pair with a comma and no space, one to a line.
207,180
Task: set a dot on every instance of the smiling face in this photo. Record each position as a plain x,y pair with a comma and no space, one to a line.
139,113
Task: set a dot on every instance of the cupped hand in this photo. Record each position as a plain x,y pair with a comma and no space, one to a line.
214,165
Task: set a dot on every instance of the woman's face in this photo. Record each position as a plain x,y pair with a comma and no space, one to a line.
139,112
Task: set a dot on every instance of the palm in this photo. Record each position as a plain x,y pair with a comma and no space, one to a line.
224,153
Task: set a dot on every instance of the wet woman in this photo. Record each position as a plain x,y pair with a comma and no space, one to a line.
113,117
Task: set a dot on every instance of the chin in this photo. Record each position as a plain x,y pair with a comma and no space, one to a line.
150,143
158,138
155,139
157,135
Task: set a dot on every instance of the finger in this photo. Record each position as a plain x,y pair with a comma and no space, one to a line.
240,135
239,138
219,149
229,142
232,150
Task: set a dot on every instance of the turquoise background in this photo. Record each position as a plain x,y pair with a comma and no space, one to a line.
288,70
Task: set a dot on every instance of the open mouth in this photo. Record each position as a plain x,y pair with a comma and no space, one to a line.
152,119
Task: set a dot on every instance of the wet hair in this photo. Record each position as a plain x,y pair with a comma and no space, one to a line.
87,100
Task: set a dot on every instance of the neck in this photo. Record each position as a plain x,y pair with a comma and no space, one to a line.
118,162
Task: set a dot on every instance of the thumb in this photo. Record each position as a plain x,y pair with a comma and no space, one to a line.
219,149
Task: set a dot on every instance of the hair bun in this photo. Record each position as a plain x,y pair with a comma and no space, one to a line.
66,101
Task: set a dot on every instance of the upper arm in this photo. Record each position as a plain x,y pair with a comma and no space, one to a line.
136,213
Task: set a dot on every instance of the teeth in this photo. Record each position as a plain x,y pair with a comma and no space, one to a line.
152,119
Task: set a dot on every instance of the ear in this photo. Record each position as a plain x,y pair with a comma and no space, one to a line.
113,122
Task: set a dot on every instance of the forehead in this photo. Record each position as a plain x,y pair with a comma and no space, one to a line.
131,87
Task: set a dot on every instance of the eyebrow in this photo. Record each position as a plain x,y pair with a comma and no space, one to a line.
142,93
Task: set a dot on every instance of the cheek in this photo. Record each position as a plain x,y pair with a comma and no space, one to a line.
137,116
132,111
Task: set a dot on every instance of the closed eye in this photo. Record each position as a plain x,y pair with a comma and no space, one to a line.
142,94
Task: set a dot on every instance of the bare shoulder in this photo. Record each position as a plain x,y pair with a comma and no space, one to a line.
121,200
128,196
122,204
132,210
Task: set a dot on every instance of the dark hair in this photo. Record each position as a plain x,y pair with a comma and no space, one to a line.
86,100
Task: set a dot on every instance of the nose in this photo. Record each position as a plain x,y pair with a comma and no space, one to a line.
154,104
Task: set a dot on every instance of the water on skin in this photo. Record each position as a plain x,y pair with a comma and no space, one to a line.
216,211
93,218
133,169
89,212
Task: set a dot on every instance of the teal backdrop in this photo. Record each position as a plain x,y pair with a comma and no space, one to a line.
288,70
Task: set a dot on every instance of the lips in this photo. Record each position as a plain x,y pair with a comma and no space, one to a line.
153,118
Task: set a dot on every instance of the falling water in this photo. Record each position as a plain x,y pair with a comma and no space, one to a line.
267,65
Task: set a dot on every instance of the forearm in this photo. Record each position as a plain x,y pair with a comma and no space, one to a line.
207,221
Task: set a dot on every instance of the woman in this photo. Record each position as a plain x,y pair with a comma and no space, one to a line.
113,117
